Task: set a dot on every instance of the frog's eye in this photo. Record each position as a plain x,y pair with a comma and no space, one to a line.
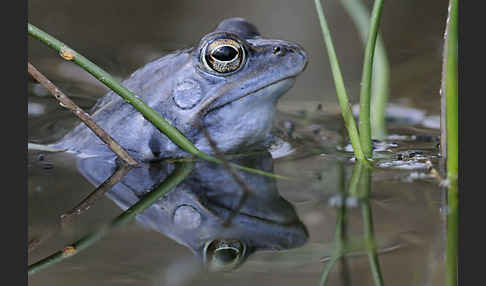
223,55
223,254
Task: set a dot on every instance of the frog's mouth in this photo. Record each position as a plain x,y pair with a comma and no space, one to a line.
275,89
270,92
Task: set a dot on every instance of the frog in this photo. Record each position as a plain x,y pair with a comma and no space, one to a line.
228,85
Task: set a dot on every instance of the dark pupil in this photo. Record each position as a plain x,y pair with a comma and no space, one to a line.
226,255
224,53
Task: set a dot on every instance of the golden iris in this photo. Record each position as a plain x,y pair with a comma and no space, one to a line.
223,55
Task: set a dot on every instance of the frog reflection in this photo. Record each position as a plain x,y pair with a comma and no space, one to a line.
196,212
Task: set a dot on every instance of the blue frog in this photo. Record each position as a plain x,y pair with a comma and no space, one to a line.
229,84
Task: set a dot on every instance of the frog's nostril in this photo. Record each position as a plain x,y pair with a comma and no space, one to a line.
279,51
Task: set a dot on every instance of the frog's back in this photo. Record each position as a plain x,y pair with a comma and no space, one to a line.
119,119
149,75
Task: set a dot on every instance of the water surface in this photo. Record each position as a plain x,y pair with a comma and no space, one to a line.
406,202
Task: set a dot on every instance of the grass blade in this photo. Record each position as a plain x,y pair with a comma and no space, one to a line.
151,115
452,140
339,83
381,68
365,93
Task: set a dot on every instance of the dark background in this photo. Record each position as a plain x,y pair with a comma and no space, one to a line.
123,35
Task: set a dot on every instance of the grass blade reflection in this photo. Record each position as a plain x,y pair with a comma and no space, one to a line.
177,176
360,188
339,250
339,244
365,188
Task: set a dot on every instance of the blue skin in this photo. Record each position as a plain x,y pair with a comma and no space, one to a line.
236,108
193,213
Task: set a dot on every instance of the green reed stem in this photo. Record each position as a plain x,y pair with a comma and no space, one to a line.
151,115
365,93
206,157
339,83
381,68
176,177
355,179
452,95
451,100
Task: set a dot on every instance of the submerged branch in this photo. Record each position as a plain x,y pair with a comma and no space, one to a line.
64,101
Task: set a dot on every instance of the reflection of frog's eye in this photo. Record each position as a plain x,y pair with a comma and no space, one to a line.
223,55
223,254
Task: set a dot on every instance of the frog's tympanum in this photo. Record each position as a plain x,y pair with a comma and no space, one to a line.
229,83
205,212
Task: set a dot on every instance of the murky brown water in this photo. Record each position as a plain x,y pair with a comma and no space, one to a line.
405,202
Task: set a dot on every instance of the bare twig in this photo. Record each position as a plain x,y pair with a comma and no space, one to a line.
82,115
97,193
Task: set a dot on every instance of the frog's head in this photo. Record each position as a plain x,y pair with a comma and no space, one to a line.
238,78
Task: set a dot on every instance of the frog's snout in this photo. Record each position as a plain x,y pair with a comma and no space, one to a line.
293,50
282,50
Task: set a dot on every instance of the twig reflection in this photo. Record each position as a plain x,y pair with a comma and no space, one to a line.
177,176
98,193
